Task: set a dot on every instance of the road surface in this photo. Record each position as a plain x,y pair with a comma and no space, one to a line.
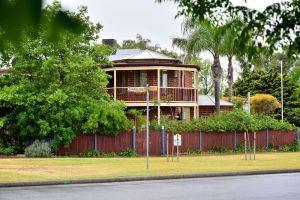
274,186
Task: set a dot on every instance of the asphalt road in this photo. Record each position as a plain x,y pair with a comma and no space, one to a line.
274,186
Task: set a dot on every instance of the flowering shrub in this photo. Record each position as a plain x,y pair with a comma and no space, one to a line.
264,103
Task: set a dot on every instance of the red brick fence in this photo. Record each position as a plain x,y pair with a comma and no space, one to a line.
158,141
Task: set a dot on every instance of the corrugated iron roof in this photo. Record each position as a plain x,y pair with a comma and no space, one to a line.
206,100
137,54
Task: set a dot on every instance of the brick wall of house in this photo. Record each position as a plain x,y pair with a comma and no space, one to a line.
152,77
173,78
188,80
130,77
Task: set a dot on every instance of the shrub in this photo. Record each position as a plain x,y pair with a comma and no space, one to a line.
290,147
38,149
264,103
128,153
223,122
6,150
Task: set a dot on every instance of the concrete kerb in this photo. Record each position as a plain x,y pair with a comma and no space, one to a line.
146,178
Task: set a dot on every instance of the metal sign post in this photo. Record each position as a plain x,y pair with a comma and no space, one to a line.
177,143
254,144
147,129
167,147
281,87
245,145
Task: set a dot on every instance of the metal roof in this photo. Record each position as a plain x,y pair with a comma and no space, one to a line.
205,100
137,54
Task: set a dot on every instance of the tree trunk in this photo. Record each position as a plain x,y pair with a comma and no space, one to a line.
217,73
230,78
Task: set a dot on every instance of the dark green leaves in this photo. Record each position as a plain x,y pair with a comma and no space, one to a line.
57,90
16,16
278,25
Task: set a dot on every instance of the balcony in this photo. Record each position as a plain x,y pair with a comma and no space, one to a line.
167,94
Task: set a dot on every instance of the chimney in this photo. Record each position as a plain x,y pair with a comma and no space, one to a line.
110,42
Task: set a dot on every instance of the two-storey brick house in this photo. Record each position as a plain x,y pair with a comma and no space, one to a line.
174,93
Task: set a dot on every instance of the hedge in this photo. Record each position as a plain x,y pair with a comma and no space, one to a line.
223,122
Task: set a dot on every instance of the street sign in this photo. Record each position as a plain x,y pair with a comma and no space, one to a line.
137,89
142,89
152,88
177,140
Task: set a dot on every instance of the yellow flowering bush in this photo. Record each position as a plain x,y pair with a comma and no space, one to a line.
264,103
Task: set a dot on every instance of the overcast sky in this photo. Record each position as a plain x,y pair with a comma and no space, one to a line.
123,19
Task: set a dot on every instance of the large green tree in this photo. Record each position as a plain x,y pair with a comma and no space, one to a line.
57,89
269,82
277,24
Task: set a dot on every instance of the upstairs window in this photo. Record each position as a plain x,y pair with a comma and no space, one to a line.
140,78
122,79
164,79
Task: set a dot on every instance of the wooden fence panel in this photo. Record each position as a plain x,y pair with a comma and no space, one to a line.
190,140
279,138
155,143
82,142
260,138
210,140
116,143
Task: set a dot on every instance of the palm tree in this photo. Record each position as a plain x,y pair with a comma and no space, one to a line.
204,37
229,49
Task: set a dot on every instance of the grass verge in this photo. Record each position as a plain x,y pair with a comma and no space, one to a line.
65,168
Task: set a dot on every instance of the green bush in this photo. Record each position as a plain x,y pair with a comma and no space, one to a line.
290,147
38,149
128,153
223,122
218,150
6,150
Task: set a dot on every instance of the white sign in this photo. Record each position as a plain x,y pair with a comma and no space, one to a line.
137,89
246,108
177,140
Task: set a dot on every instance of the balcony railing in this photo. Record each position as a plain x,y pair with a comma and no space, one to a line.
174,94
167,94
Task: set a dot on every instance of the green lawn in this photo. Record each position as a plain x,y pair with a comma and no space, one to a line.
41,169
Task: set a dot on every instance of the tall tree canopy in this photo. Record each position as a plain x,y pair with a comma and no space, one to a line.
278,23
57,89
268,82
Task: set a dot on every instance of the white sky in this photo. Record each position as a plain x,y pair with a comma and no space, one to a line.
123,19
